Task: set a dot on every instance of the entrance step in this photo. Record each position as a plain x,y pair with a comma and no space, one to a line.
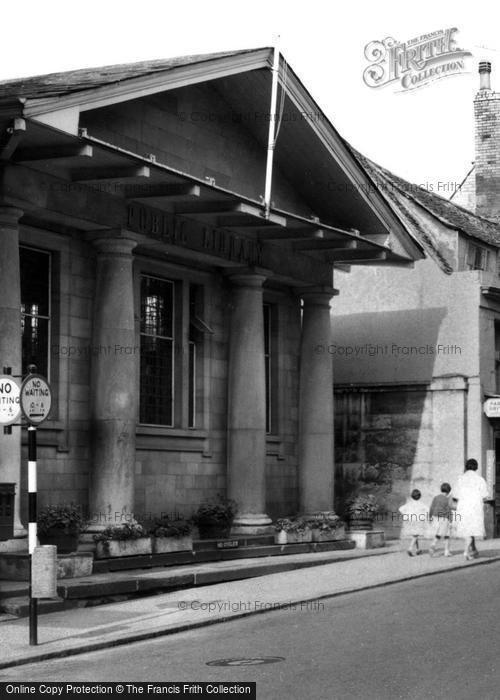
112,586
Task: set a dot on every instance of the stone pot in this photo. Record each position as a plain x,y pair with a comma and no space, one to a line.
66,542
163,545
123,548
211,531
361,523
281,537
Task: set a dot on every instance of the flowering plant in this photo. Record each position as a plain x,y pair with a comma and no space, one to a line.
362,506
220,513
291,525
68,518
325,522
164,527
129,531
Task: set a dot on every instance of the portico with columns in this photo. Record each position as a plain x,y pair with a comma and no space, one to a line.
183,325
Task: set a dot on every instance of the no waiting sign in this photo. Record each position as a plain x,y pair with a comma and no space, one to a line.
10,407
36,398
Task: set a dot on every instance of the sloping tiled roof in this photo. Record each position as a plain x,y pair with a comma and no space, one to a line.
450,214
401,194
56,84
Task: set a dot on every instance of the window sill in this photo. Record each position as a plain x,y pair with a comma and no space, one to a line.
155,437
165,431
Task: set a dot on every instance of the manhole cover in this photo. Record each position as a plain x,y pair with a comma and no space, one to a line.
256,661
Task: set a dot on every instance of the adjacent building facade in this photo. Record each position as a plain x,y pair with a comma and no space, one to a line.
417,355
183,325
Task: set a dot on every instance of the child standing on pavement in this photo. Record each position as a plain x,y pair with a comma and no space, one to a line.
415,515
440,515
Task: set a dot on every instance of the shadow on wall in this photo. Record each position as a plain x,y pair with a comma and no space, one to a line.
390,346
376,438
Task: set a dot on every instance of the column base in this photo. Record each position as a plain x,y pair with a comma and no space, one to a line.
20,532
17,544
252,524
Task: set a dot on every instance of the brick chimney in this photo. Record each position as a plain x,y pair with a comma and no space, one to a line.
487,117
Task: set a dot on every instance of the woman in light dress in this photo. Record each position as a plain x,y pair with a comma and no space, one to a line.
471,491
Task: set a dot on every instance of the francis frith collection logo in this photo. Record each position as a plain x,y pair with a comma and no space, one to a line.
414,63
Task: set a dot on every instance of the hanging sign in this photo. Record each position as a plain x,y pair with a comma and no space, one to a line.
36,398
492,408
10,407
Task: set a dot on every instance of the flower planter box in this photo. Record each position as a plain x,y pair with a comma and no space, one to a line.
123,548
163,545
299,537
328,535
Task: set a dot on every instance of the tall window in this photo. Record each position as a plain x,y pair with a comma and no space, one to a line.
157,351
196,329
35,309
268,364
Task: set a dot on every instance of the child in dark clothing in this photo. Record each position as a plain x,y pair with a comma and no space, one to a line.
440,513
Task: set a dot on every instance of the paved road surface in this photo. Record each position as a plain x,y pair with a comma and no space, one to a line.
431,638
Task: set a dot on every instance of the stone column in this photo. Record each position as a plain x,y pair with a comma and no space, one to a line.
115,360
246,448
316,457
10,346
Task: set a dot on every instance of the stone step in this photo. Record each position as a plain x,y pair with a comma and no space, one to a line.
19,606
218,554
112,586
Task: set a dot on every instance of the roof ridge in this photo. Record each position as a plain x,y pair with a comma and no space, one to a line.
179,60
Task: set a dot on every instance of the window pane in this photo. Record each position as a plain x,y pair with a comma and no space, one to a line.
35,308
156,381
35,270
157,307
267,359
35,342
157,351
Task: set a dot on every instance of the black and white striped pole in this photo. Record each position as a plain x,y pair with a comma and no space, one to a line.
32,533
36,400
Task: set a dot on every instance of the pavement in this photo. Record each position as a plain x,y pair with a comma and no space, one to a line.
80,630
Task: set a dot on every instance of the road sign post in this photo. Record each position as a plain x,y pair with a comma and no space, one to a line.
35,400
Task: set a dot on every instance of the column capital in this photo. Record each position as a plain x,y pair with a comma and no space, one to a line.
248,276
9,216
317,296
115,243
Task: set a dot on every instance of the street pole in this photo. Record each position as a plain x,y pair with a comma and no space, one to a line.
32,510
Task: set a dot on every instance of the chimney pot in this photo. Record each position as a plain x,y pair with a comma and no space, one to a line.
484,75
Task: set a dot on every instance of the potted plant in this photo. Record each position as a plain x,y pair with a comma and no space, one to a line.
326,527
360,511
292,530
282,526
171,535
60,525
214,520
122,541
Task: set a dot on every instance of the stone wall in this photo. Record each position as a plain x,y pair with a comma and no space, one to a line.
391,441
191,129
174,471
